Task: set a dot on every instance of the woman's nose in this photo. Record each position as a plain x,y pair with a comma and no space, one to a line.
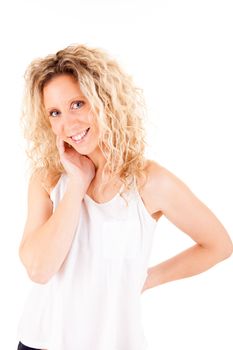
71,122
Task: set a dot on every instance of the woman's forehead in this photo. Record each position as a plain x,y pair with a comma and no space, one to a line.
61,88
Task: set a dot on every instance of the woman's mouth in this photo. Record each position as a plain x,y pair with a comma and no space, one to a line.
79,137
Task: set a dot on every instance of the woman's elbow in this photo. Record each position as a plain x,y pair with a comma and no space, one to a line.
225,250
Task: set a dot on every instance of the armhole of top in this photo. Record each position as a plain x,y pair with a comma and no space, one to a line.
53,190
146,213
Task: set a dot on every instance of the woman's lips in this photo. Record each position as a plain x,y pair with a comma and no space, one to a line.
78,138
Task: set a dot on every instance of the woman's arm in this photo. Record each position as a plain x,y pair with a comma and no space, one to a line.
48,236
189,214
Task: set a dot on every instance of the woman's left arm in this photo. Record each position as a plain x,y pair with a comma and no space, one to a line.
181,207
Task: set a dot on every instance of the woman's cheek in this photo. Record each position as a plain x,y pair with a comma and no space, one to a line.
55,129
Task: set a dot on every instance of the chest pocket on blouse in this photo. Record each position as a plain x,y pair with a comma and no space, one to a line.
121,239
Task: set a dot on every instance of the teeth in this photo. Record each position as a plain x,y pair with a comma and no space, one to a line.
79,136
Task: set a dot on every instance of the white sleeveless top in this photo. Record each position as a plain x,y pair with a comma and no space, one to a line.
93,301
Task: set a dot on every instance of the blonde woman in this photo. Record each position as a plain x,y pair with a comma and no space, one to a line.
94,202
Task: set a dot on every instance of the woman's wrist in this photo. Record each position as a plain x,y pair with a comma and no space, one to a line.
76,186
152,278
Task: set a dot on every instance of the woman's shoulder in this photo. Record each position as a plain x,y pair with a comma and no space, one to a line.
47,181
160,184
153,171
53,180
157,173
162,187
150,188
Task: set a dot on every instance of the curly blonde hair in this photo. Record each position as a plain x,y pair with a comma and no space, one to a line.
110,91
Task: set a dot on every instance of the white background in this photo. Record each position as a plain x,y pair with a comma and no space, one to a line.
180,53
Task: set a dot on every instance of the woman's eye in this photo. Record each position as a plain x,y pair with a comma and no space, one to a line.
77,104
53,114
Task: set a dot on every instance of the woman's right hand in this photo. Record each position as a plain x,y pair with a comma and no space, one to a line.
78,167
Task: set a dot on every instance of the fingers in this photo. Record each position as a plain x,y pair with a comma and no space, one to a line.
60,145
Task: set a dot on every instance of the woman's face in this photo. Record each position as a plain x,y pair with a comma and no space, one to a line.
70,115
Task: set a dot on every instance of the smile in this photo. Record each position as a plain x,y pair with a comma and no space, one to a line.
79,137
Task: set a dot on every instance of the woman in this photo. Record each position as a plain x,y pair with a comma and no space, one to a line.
93,205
